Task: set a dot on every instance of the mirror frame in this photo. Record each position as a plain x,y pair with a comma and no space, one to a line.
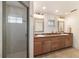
42,24
61,26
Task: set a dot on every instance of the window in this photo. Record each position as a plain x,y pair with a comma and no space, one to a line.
12,19
51,23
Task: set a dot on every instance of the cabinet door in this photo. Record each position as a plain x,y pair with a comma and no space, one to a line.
54,43
57,43
62,39
37,47
68,41
46,46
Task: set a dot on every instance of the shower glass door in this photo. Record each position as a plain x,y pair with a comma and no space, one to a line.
16,30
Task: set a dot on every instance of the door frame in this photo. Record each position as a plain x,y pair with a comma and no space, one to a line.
4,29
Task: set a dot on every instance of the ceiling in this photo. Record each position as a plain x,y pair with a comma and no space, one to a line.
16,3
63,7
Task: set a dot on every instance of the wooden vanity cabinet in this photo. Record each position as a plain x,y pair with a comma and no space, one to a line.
44,45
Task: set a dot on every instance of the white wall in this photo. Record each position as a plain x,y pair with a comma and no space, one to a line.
0,29
73,22
31,32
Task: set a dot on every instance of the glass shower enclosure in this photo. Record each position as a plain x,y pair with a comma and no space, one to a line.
15,34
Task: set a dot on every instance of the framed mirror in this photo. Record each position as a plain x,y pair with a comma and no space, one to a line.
61,26
38,25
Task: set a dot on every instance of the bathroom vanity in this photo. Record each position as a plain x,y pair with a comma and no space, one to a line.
50,42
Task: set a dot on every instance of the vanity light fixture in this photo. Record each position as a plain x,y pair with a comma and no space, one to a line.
61,18
38,16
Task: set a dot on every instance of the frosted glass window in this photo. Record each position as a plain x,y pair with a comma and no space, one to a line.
19,20
51,23
12,19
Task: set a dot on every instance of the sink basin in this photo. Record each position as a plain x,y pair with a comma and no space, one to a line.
63,34
40,35
45,35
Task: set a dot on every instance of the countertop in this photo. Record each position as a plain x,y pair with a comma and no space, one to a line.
40,35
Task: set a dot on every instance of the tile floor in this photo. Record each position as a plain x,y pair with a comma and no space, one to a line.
64,53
